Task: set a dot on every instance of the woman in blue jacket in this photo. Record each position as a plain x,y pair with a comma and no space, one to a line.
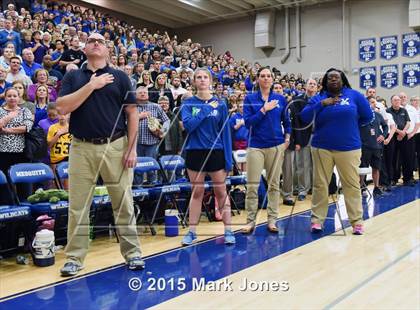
337,111
265,116
208,151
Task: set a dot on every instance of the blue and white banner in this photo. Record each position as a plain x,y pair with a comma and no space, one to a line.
367,49
367,77
389,76
410,44
389,47
411,74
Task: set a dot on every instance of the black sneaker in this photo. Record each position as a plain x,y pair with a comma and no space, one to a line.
377,192
288,202
70,269
409,183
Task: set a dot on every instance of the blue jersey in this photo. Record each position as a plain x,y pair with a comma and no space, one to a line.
207,126
266,130
336,127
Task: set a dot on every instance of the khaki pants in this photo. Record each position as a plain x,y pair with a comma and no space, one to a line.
86,162
348,169
304,170
288,172
270,159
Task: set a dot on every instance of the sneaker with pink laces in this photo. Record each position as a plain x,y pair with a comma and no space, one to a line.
316,228
358,229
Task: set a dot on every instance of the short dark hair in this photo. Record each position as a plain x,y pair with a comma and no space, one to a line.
15,57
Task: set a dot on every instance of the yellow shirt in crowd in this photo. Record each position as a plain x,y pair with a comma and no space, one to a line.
60,150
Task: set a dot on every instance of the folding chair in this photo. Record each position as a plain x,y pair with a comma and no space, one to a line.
15,224
170,165
239,177
32,173
364,173
151,194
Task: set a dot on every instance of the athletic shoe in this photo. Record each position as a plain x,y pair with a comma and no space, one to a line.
301,197
377,192
70,269
409,183
136,263
288,202
189,238
316,228
229,237
358,229
387,188
364,193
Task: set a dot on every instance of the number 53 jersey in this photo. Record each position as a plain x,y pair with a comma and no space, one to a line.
60,150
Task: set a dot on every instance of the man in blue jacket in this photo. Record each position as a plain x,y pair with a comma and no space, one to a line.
8,35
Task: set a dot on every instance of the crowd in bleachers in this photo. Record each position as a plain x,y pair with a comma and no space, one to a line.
41,40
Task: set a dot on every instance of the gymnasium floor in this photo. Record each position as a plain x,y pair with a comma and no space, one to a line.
295,269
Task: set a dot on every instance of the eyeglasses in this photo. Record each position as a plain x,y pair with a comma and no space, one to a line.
93,41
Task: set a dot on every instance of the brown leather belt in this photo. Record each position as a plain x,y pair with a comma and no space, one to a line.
103,140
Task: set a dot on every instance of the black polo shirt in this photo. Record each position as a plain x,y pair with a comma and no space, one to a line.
400,117
97,116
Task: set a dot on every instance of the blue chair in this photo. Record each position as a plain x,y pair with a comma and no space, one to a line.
32,173
154,195
61,171
15,224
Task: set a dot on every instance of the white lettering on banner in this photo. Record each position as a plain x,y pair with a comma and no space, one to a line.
139,193
391,40
409,37
172,162
30,173
11,214
368,43
59,205
170,189
145,164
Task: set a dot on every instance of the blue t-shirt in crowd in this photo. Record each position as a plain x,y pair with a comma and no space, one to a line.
242,133
336,126
266,130
207,127
2,89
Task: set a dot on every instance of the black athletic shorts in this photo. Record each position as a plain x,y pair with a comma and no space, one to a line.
371,157
205,160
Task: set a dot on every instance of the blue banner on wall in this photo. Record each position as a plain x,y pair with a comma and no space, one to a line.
411,74
367,49
389,76
367,77
411,44
389,47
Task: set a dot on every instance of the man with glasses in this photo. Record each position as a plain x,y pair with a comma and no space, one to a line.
104,143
